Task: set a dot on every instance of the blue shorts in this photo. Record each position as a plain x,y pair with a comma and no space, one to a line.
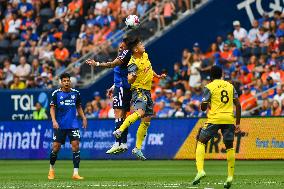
121,98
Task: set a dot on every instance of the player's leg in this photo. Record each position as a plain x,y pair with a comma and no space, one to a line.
120,143
204,136
143,127
59,137
139,102
74,136
228,132
140,136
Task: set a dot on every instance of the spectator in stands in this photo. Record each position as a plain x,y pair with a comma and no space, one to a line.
9,71
142,7
30,83
39,113
231,39
280,30
61,53
24,69
191,110
280,95
17,83
104,109
178,110
239,32
195,77
282,105
43,81
266,108
168,11
89,112
60,13
253,32
163,111
247,100
276,108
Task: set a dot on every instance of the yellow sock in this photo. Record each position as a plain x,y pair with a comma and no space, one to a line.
200,153
231,162
141,133
129,120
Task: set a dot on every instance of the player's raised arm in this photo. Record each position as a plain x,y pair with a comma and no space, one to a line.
205,99
112,64
238,111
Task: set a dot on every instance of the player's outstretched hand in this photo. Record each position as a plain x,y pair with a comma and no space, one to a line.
55,125
92,62
110,92
163,76
85,123
237,129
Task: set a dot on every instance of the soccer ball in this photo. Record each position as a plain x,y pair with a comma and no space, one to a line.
132,21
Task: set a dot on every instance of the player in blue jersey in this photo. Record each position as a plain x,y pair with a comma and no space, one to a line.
63,106
120,92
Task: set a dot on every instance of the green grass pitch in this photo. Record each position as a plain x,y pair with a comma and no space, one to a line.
137,174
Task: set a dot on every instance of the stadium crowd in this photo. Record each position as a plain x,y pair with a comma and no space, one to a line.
40,38
252,61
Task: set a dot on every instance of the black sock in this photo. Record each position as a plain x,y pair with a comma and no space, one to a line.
76,159
52,157
118,123
124,136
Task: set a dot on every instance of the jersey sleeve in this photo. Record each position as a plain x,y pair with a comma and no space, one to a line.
124,56
78,99
132,68
53,101
206,96
235,95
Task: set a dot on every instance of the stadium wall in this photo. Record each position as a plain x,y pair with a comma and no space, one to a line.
261,138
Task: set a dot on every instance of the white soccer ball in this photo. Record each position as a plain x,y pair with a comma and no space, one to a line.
132,21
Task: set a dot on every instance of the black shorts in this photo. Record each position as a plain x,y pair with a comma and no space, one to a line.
59,135
210,130
121,98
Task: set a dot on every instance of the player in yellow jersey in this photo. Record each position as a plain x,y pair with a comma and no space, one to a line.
140,76
219,97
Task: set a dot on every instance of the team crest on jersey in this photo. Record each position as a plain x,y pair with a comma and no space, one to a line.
73,96
61,103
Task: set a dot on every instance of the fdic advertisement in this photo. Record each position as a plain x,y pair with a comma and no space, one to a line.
261,138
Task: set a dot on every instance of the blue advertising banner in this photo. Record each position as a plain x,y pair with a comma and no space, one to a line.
33,139
20,104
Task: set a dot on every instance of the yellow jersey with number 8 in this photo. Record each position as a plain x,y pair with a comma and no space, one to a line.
220,96
143,71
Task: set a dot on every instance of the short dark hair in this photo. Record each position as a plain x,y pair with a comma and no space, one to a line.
65,75
132,39
216,72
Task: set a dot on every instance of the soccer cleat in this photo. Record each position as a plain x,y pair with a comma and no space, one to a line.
138,153
228,182
77,177
198,177
122,148
51,174
114,149
117,133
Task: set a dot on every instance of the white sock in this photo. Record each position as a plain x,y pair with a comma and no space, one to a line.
76,170
51,167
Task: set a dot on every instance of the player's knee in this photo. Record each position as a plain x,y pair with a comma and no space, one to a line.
118,113
228,144
56,147
75,146
141,112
